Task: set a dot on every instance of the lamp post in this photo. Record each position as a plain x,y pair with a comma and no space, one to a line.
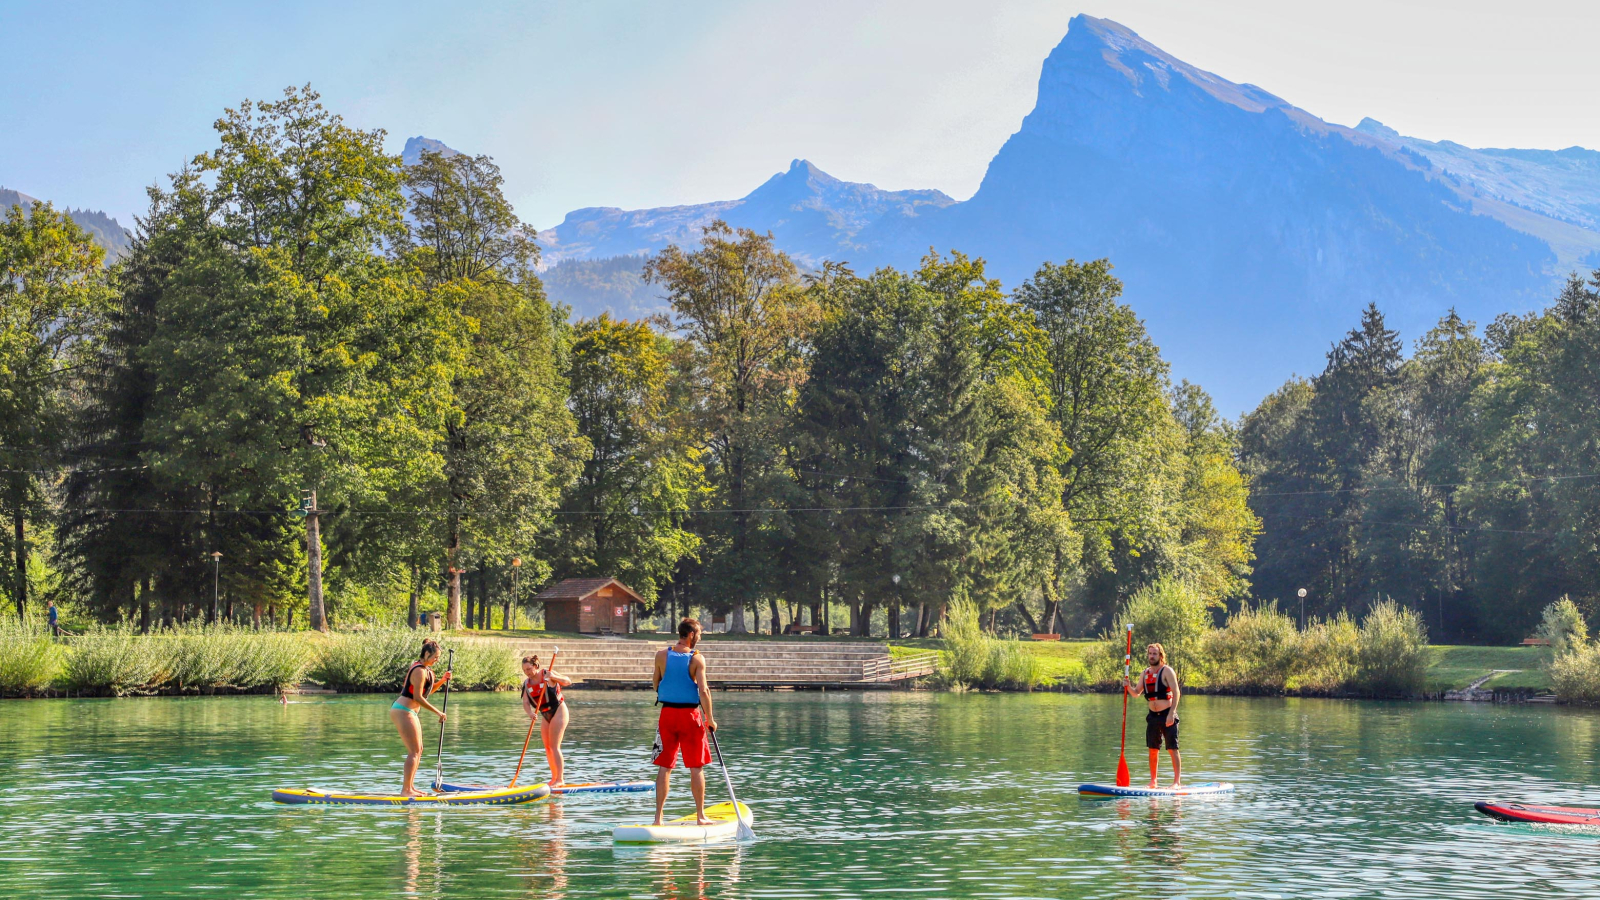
894,618
1302,593
216,580
516,598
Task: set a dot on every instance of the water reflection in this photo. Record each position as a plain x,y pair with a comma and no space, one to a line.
855,795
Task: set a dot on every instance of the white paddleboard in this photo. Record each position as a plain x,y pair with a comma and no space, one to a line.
725,826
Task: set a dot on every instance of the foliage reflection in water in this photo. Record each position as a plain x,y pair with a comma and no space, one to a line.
929,795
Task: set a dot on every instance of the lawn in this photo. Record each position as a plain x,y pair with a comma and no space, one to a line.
1453,667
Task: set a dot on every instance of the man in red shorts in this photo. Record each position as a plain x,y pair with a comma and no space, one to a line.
685,698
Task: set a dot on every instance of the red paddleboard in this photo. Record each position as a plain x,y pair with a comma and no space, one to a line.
1544,815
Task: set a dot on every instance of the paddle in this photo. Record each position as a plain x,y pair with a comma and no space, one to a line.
1123,778
438,769
746,833
532,722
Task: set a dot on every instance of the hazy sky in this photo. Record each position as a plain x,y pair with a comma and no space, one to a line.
654,103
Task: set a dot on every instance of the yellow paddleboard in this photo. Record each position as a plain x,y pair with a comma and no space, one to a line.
725,826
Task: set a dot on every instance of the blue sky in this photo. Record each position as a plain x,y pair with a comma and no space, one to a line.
641,104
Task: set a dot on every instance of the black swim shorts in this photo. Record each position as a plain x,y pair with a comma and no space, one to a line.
1155,726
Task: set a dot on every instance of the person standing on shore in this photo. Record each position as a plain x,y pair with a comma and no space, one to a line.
685,720
1159,684
55,620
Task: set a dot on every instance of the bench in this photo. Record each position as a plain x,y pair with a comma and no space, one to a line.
1046,637
1535,642
792,628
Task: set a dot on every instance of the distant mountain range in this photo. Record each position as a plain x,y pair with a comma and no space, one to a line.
1248,231
106,231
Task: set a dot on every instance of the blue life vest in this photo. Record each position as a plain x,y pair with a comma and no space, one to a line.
677,687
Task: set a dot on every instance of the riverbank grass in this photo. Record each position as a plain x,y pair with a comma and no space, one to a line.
1455,667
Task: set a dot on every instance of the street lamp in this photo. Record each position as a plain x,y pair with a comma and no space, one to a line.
516,598
216,578
894,619
1302,593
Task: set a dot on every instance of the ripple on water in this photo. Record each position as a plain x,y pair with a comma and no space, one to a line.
913,795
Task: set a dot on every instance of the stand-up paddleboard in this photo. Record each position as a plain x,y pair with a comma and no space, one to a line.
684,830
587,787
1188,790
491,797
1542,815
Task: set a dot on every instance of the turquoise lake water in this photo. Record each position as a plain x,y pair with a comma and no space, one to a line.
903,795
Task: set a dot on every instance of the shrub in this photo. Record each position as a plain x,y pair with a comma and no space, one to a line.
975,659
1575,673
366,661
377,660
1563,626
29,660
1326,661
1391,655
1258,650
114,661
1169,612
221,657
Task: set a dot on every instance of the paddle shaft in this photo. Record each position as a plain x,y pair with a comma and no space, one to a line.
744,829
438,768
532,722
1123,777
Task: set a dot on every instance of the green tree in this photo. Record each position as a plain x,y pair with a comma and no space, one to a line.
290,351
1121,450
924,446
509,445
623,516
746,318
52,290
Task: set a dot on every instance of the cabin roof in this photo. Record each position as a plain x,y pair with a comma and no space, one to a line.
583,589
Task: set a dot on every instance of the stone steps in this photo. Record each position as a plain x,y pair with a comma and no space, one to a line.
754,662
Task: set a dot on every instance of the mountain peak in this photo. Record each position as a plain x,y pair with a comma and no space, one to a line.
1373,127
416,146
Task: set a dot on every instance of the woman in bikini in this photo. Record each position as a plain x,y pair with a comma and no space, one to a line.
541,699
414,690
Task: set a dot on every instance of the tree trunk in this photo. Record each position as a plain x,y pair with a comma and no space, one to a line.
738,626
144,606
894,620
816,618
416,591
1022,607
469,599
994,615
318,615
1052,609
21,557
255,616
772,604
452,604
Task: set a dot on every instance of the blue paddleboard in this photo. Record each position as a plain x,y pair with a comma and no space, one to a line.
1188,790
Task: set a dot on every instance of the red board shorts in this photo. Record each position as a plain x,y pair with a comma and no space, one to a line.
686,729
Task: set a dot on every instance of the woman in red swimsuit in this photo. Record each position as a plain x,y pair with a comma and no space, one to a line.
541,699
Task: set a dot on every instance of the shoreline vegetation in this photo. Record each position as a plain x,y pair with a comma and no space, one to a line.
1258,652
221,659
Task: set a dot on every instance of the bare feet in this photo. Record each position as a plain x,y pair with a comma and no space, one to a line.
1177,784
1152,784
412,793
702,820
657,821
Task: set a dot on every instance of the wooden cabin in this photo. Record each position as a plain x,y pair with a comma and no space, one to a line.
589,606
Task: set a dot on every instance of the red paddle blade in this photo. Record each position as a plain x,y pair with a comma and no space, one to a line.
1123,778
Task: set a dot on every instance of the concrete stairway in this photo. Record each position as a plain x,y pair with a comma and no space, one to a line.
620,662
